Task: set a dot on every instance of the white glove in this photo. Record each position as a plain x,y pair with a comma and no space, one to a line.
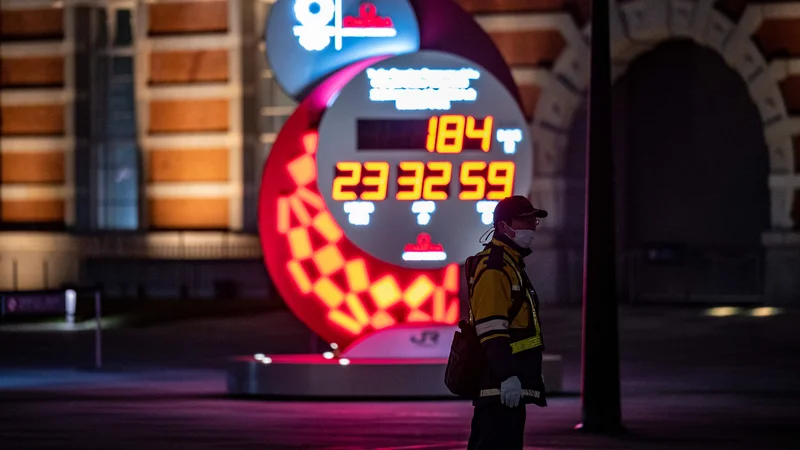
511,392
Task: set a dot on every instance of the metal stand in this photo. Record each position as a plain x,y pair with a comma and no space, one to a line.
600,390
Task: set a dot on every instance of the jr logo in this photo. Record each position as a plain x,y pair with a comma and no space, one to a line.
316,31
426,339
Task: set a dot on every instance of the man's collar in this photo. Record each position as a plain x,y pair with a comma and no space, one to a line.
519,253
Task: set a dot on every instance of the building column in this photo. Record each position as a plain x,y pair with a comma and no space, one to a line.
189,103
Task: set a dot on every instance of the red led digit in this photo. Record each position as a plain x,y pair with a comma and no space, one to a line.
470,179
379,182
450,134
414,181
433,127
437,180
501,173
349,181
485,134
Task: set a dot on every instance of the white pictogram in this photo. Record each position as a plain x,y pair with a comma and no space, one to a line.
315,30
509,139
423,210
359,212
486,210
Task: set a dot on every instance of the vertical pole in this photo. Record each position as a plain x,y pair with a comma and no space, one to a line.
46,274
14,274
600,393
98,333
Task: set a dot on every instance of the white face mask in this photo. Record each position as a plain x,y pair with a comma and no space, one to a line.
523,238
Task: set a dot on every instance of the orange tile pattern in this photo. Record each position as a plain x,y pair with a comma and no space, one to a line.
779,37
182,116
189,213
36,167
32,120
188,165
188,17
32,71
188,66
580,9
45,23
529,48
32,211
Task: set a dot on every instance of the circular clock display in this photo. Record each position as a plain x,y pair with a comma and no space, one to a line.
415,153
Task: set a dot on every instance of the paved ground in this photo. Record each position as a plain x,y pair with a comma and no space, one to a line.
689,381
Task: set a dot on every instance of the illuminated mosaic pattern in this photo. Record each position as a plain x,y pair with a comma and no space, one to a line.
337,289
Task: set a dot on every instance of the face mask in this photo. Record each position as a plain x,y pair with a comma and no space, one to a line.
524,238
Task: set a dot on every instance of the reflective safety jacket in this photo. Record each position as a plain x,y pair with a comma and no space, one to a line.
504,311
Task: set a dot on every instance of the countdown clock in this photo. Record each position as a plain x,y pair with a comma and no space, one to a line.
381,182
414,154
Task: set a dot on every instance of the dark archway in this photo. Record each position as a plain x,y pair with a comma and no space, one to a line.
692,179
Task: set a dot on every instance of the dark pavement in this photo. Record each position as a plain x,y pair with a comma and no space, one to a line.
688,381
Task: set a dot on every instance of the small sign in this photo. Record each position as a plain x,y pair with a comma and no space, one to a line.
424,250
20,303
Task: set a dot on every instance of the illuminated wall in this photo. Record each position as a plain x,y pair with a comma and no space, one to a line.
36,145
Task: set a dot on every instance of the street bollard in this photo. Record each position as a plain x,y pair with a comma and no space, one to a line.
71,300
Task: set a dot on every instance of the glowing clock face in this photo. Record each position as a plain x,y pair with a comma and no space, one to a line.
415,153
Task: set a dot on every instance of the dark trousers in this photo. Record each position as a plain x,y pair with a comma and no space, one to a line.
497,427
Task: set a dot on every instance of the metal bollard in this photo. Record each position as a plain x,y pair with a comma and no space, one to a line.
71,300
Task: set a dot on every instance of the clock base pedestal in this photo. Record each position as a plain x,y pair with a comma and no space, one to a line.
314,376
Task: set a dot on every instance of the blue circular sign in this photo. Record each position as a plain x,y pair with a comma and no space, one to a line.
307,40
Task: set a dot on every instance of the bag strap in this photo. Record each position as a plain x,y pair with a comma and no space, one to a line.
469,267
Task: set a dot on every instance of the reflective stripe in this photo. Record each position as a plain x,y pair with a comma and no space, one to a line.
514,287
525,393
492,325
526,344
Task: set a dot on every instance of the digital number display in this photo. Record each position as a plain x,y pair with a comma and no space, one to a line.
418,180
414,154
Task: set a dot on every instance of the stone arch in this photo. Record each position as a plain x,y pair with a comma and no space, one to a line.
638,26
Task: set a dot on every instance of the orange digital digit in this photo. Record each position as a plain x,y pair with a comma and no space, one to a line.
437,180
414,181
433,127
450,134
469,179
380,181
501,173
350,181
485,134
